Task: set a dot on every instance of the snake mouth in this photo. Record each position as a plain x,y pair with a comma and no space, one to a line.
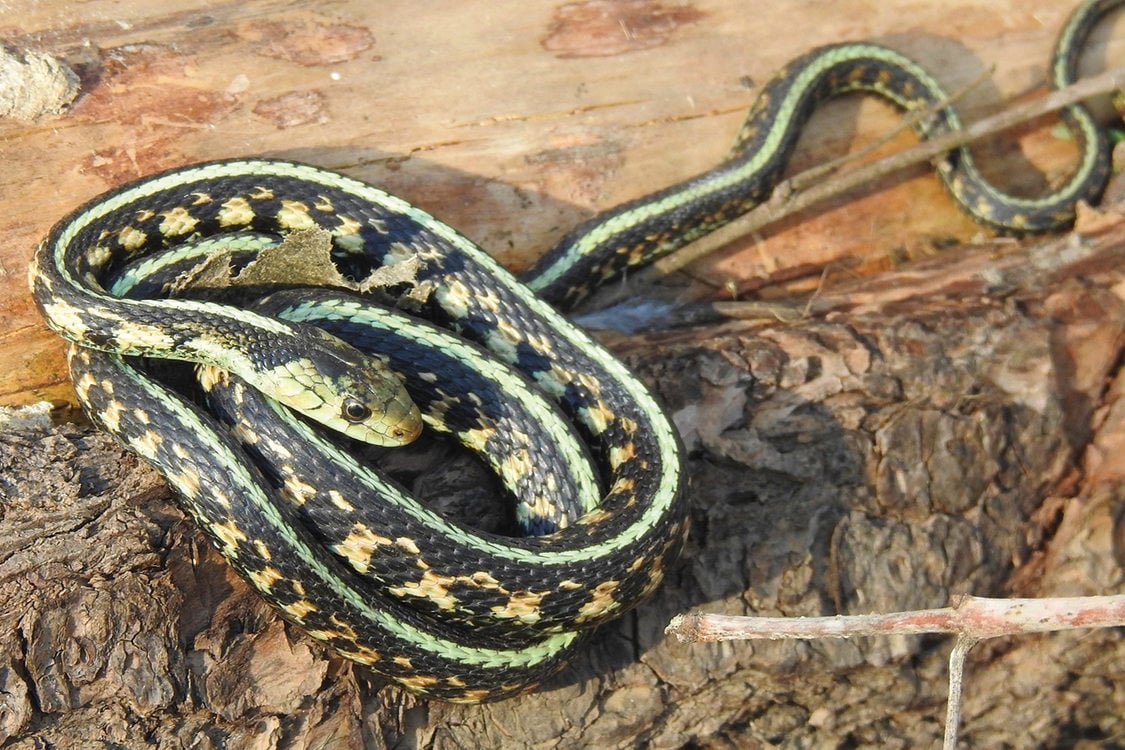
408,430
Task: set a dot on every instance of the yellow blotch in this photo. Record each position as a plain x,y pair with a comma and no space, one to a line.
540,343
220,497
655,578
522,606
340,501
516,465
440,407
83,384
261,194
297,491
146,444
186,482
295,215
408,545
456,298
601,601
64,317
471,696
111,415
477,438
210,376
299,609
488,300
347,236
417,682
324,634
131,238
177,221
236,212
229,535
620,454
597,417
483,580
275,445
347,226
433,587
359,545
143,337
363,655
627,486
264,579
553,381
346,630
589,382
324,203
595,517
98,255
404,661
504,340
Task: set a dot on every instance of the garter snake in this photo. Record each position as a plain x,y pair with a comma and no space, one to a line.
341,551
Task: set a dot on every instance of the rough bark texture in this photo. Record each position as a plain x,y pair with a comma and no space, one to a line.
954,427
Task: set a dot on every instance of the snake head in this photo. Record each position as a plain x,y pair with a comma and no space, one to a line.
333,383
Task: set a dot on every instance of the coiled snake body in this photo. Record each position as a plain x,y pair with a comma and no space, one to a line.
267,468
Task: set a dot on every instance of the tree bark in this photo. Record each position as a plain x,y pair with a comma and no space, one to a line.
952,427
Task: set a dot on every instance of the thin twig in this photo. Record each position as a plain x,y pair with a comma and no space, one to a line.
956,690
978,617
971,618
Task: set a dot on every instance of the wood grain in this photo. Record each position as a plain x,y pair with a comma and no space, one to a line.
511,122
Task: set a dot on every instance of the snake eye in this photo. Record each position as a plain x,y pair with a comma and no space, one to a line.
354,410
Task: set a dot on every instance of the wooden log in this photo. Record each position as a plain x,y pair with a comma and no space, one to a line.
950,426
